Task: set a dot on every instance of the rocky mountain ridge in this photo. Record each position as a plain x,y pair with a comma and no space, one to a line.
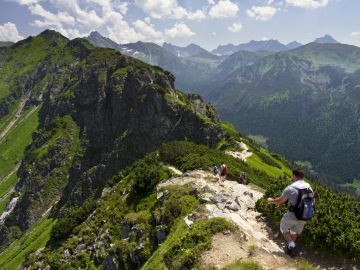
100,112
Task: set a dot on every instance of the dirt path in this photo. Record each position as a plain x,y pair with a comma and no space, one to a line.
15,117
243,155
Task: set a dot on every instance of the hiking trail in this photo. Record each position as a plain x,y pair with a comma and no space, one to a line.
253,241
243,155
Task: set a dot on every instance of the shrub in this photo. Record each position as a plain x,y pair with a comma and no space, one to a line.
65,225
185,252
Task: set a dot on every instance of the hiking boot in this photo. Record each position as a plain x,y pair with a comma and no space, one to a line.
292,252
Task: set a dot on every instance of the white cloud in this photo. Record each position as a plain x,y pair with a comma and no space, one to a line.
211,2
157,8
119,30
197,15
235,27
213,33
50,19
9,32
355,34
69,32
28,2
86,18
148,31
309,4
122,7
224,9
161,9
261,13
179,30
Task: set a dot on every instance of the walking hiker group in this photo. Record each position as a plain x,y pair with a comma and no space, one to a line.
221,174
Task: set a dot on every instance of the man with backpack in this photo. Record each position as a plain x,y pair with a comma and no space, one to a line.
300,198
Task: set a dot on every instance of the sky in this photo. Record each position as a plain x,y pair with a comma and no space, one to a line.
208,23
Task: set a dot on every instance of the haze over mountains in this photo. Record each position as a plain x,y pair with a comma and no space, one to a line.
261,84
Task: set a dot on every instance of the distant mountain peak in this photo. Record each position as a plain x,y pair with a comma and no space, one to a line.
271,45
95,34
293,45
325,39
189,50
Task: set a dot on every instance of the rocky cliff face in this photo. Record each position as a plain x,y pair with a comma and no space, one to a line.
101,111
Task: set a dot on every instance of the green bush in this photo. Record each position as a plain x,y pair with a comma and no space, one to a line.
335,227
241,265
65,225
184,253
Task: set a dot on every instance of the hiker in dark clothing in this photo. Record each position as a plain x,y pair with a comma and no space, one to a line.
242,178
216,171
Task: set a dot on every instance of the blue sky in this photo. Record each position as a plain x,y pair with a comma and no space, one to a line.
208,23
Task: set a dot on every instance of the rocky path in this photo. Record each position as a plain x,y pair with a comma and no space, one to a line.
234,202
243,155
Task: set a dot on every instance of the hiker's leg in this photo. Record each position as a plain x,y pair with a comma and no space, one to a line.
294,236
286,225
287,236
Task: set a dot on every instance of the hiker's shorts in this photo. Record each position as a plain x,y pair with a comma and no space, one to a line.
289,223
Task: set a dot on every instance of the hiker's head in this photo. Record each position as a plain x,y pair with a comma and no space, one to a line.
297,174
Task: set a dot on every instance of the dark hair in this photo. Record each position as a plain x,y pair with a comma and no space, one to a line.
298,173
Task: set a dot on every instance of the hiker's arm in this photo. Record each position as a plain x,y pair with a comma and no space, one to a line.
278,200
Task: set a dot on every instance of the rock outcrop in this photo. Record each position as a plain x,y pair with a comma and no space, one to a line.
101,111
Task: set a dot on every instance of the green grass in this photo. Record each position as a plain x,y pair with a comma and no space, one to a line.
6,119
256,162
183,245
14,143
36,238
156,260
304,265
7,184
3,202
243,265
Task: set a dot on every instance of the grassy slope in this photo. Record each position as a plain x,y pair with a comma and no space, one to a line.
12,150
14,143
36,238
6,119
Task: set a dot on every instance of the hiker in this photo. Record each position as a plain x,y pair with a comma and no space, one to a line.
300,198
216,171
223,172
242,178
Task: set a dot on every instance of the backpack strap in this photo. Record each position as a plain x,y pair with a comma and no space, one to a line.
292,207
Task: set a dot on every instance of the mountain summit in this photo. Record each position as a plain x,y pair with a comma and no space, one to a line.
325,39
190,50
270,45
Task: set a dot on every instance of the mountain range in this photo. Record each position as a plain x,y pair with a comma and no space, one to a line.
105,164
321,74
